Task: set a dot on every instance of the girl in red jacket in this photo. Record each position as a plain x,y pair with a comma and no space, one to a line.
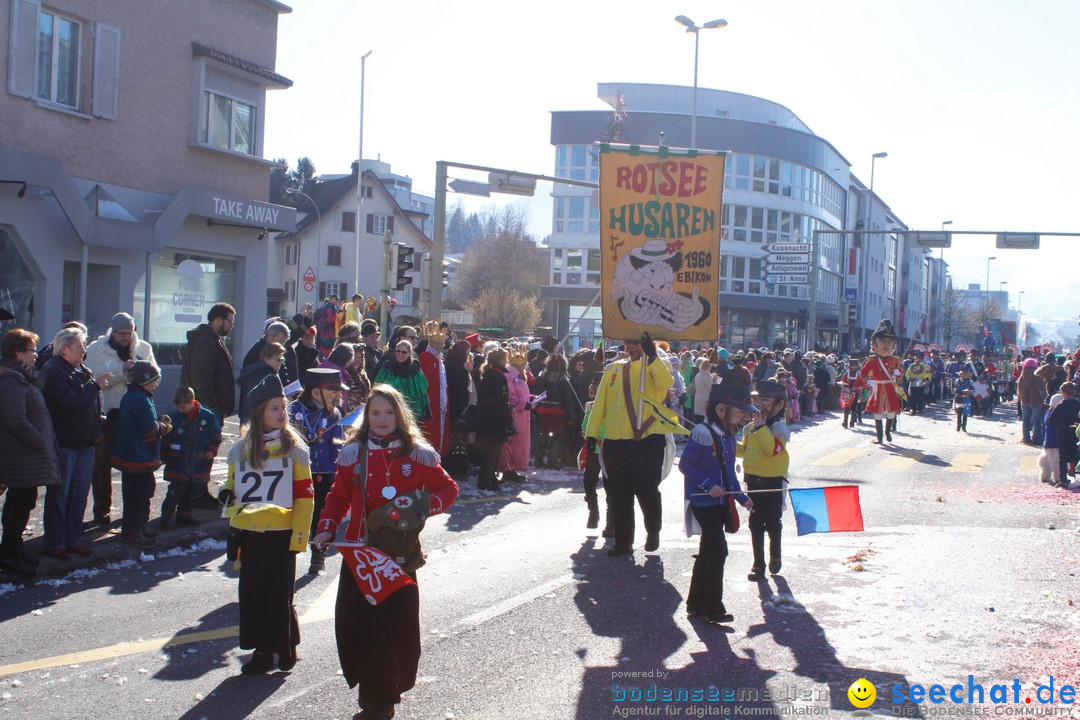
380,469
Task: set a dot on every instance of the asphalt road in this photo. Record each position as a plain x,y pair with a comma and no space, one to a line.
967,566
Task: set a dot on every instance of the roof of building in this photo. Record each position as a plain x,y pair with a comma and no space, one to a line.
329,193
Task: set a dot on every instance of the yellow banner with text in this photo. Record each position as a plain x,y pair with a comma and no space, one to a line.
660,241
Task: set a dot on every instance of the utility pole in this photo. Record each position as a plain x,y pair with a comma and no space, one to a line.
384,300
438,244
359,181
811,311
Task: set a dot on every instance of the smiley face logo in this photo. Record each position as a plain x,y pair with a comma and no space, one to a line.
862,693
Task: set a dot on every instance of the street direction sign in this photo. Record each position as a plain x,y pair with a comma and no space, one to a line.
787,248
468,187
1018,241
786,279
788,258
933,239
786,268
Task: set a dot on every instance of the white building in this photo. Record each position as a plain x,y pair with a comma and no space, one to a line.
320,257
782,183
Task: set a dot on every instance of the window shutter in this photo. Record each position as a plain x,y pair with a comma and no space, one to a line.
370,223
106,71
322,292
390,223
22,59
222,83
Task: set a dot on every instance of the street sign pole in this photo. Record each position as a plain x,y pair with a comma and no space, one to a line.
438,245
811,312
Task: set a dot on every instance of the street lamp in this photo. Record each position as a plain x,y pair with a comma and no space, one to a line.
874,158
1019,297
693,29
992,257
944,223
1001,286
318,262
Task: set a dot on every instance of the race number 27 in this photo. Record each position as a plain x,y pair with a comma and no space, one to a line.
254,482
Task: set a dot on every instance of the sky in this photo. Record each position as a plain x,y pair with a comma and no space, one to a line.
975,101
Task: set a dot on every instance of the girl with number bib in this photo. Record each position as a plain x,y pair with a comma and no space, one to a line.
390,480
268,495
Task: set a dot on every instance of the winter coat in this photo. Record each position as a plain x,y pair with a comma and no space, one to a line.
515,452
305,358
101,358
207,368
700,464
611,413
457,388
493,400
250,376
1031,388
289,372
703,383
408,379
74,401
137,445
372,358
322,431
185,447
561,394
27,441
265,517
1063,419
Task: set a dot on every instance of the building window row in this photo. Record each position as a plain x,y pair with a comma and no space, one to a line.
576,214
575,267
744,223
577,162
779,177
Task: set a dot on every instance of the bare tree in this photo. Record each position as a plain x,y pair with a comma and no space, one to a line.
509,309
504,258
954,316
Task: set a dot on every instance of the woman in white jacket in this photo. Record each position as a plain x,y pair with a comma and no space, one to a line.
703,382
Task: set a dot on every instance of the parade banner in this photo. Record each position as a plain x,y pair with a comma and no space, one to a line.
660,241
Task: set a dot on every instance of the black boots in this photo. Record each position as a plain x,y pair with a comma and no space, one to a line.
318,561
594,513
878,428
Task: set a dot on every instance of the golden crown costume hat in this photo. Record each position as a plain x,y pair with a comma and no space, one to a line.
430,331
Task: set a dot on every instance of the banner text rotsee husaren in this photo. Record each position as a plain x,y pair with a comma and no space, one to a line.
660,242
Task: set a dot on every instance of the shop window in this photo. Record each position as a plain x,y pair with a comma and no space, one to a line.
183,288
16,285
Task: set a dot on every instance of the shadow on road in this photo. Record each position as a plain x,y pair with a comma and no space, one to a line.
237,697
184,663
790,625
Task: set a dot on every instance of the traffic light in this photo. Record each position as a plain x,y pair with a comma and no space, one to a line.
403,265
445,273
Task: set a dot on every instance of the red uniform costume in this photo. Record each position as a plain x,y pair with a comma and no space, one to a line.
435,428
405,474
379,645
883,376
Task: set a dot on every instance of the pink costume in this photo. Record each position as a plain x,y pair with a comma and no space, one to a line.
515,451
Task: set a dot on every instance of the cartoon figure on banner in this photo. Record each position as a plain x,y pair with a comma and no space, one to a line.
643,288
882,374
